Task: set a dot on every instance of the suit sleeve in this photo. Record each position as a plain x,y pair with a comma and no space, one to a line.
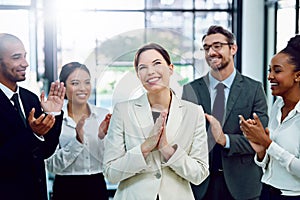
52,137
193,165
120,163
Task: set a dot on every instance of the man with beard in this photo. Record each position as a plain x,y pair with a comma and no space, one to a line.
30,129
233,173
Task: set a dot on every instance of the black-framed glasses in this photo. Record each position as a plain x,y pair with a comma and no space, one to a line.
216,46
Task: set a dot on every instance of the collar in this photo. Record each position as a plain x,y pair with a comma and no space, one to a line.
7,91
227,82
280,104
297,107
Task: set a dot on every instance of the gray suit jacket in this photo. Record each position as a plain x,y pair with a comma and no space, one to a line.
246,96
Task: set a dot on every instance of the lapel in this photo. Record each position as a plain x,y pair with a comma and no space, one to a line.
142,111
234,94
174,118
7,107
26,102
204,94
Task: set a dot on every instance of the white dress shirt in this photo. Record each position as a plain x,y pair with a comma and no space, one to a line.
74,158
281,164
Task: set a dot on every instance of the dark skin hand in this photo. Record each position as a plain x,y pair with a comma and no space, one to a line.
258,137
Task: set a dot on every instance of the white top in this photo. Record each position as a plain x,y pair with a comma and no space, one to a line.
281,164
74,158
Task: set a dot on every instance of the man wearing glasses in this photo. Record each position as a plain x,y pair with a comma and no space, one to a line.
224,94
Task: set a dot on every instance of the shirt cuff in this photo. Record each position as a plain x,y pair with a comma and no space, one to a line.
280,154
227,145
264,163
39,137
53,113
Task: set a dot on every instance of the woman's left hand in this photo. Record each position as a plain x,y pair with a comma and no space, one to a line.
102,130
163,146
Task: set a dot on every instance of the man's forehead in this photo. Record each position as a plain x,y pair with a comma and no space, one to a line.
212,38
12,48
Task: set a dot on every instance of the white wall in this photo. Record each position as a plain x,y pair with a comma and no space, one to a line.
253,42
252,39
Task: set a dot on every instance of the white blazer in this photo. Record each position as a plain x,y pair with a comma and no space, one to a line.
141,178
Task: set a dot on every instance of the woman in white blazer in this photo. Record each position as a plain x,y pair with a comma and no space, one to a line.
156,144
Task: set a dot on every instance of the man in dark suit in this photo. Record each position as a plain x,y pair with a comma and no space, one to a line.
29,130
233,173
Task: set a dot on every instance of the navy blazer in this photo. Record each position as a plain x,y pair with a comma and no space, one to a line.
246,96
22,154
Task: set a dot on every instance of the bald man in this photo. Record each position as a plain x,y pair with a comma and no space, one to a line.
29,127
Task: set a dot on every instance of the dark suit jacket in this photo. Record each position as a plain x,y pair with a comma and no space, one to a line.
246,96
22,154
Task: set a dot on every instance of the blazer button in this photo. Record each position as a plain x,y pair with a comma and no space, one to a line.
157,175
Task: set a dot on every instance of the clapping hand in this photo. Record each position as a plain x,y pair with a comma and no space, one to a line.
216,130
79,129
54,103
254,131
55,98
102,130
42,124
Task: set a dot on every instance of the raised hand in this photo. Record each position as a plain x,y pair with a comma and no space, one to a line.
102,130
152,141
42,124
55,98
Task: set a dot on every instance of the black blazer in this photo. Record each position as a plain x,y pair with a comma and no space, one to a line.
22,154
246,96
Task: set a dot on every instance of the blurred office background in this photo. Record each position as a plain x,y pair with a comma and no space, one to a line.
104,35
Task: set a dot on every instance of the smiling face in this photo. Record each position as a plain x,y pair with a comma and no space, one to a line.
153,71
78,87
283,79
221,59
13,63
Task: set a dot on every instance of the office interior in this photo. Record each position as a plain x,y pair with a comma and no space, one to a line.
104,35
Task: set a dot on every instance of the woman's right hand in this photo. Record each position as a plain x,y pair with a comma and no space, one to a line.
79,129
152,141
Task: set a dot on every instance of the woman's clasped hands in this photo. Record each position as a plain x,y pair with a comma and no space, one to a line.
157,139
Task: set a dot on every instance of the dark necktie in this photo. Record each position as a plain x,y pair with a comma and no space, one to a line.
17,107
219,103
218,113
